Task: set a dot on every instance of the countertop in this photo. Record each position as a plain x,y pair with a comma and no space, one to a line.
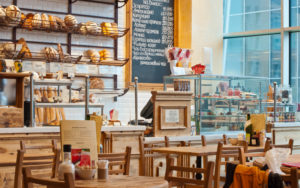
57,129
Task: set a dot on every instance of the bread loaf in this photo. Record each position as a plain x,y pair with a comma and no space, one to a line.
50,54
114,29
70,21
60,52
105,26
60,23
96,83
82,29
91,27
37,21
53,24
13,15
28,21
2,15
92,55
45,21
104,55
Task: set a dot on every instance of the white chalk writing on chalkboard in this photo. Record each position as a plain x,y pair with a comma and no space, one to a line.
152,32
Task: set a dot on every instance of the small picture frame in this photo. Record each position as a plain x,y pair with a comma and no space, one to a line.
173,117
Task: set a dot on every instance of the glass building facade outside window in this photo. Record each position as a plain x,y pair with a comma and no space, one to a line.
262,38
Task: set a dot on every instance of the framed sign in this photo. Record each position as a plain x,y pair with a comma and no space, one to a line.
173,117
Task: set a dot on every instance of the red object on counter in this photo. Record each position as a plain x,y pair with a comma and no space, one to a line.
198,69
291,164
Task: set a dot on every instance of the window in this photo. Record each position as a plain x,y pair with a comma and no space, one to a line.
254,38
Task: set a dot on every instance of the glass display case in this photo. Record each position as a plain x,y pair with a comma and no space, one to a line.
221,102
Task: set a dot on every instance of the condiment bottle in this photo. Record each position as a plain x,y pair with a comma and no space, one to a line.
66,166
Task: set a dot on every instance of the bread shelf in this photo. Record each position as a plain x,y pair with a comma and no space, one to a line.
71,59
111,32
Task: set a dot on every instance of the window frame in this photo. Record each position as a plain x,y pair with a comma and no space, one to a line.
284,32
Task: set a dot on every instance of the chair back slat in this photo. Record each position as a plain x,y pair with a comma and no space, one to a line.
289,145
147,157
226,153
189,180
36,157
29,179
120,160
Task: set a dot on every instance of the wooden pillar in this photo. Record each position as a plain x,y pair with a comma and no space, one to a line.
183,23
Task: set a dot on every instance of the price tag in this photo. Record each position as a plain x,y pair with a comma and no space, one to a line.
68,68
55,67
93,69
82,69
27,66
39,67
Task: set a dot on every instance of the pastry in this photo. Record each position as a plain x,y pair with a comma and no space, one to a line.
82,28
50,53
70,21
45,21
2,15
13,15
104,55
60,52
53,24
91,27
37,21
92,55
28,21
114,29
60,23
105,26
96,83
24,52
23,18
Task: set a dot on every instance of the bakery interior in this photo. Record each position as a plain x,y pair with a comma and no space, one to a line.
173,73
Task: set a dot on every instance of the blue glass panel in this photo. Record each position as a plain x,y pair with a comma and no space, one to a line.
257,5
275,4
257,56
275,19
235,24
275,57
293,17
236,6
233,49
257,21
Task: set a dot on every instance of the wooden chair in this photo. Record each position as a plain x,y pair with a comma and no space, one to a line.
147,157
205,143
27,158
117,159
290,145
226,153
29,179
293,178
244,155
25,147
186,181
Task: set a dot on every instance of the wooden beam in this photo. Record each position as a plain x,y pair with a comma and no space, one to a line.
183,23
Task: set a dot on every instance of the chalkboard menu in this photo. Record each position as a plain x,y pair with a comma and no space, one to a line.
152,32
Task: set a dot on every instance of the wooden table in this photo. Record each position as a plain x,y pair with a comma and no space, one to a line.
198,150
120,181
295,158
